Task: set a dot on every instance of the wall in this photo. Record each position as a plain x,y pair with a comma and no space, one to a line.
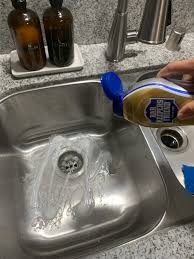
93,18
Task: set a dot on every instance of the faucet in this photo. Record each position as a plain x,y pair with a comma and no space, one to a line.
156,17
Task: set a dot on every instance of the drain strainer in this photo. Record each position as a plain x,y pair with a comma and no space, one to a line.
173,139
70,162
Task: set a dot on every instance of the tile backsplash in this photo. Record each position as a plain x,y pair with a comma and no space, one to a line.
92,18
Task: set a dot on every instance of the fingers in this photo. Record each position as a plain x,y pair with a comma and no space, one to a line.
187,112
187,77
182,67
185,68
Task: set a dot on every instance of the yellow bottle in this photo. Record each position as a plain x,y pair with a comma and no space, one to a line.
151,103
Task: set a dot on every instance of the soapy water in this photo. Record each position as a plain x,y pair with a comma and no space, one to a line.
56,194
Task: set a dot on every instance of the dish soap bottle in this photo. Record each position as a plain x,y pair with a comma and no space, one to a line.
58,25
151,103
26,32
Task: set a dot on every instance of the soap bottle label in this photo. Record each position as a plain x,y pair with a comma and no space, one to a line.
161,110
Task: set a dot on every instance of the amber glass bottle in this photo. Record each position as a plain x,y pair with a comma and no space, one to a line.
25,28
58,24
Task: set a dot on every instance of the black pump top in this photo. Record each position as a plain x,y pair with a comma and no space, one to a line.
19,4
56,3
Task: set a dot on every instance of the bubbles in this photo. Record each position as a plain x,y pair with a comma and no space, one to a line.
38,224
56,196
86,205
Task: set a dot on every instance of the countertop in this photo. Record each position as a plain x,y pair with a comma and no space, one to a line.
172,243
176,242
138,56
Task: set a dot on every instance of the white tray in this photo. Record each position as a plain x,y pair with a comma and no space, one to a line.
18,71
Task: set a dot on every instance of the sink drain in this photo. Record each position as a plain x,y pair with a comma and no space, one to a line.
70,162
173,139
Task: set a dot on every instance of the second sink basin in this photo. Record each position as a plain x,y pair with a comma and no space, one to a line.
63,205
177,143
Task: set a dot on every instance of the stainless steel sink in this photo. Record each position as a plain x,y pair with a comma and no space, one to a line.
75,179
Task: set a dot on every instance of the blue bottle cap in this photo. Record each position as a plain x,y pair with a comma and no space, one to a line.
112,85
113,88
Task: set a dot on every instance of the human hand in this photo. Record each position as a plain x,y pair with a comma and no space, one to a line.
186,69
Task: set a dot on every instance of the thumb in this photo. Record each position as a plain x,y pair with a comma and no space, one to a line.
187,112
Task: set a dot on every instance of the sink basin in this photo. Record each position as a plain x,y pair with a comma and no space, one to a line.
76,180
176,145
84,180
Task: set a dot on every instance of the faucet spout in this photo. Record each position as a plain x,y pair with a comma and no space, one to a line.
122,6
153,25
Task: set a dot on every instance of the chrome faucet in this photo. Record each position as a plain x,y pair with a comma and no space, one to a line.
156,17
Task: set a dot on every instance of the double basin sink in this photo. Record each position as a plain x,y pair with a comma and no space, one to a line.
77,180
